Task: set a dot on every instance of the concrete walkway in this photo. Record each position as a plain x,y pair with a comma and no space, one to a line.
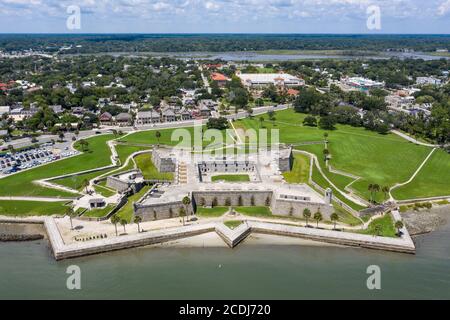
398,185
411,139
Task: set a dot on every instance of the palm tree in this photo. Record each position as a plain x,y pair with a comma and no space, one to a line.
84,145
85,185
158,135
182,213
124,222
399,225
138,220
186,203
334,218
71,214
261,121
370,188
326,154
318,217
385,190
325,136
306,215
115,220
376,189
378,230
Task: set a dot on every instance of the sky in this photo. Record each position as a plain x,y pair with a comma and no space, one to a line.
226,16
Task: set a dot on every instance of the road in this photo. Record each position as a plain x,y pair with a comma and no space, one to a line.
26,142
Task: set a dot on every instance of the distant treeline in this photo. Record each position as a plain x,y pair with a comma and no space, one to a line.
95,43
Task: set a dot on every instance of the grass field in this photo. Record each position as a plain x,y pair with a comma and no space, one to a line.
150,172
233,224
31,208
387,227
98,213
377,159
124,151
106,192
76,182
300,170
254,211
127,210
231,178
22,184
433,180
211,212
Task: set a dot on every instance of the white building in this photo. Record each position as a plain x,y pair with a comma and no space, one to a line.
428,81
362,83
266,79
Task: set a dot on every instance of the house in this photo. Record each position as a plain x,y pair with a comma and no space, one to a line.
259,80
428,81
20,114
57,109
106,119
78,111
169,115
211,104
220,79
147,117
185,114
205,112
293,93
4,109
123,119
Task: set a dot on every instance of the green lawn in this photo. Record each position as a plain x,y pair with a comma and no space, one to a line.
231,178
377,159
31,208
124,151
433,180
211,212
233,224
106,192
76,182
262,212
145,164
22,183
300,170
387,227
98,213
127,210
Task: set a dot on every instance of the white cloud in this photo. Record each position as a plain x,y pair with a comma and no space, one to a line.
212,6
444,8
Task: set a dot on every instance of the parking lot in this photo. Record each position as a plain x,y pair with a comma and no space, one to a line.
27,159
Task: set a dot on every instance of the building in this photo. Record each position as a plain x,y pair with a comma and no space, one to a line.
106,119
58,109
194,179
4,109
147,117
168,115
123,120
428,81
362,83
259,80
220,79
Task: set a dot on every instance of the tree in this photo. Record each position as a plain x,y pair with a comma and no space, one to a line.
182,213
327,123
124,222
138,220
306,215
71,214
334,218
261,122
326,154
378,230
310,121
84,145
218,123
385,190
186,202
158,135
61,136
318,217
399,225
85,185
115,220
